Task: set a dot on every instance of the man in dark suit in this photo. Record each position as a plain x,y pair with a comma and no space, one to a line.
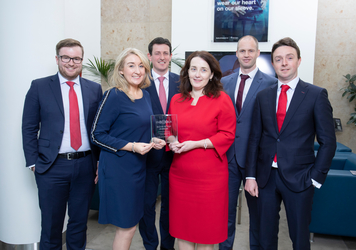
163,87
57,118
243,95
281,165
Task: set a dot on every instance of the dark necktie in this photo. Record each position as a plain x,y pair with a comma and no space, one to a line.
241,92
162,94
282,109
74,122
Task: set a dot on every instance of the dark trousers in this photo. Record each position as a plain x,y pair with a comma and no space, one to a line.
147,225
67,182
236,175
298,209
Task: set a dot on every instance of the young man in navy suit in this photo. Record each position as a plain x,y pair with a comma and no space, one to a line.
164,86
247,53
281,165
57,118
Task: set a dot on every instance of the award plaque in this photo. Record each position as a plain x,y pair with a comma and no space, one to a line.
164,127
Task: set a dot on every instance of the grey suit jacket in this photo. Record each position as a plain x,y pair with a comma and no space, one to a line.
243,124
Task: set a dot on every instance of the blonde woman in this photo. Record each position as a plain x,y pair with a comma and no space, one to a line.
121,129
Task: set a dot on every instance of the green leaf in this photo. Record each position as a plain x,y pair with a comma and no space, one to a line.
352,85
353,78
177,60
100,69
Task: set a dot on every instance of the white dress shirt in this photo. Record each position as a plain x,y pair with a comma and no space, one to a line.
248,84
65,146
290,92
165,82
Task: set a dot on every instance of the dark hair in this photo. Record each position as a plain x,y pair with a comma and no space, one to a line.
69,42
287,41
159,40
213,87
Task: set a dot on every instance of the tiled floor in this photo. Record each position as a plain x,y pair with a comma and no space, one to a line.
100,237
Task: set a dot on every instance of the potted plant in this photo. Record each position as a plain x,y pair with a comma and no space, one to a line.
350,91
100,69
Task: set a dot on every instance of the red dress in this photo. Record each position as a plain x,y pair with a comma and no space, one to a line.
198,179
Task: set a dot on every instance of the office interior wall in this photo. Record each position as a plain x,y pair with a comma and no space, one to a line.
323,29
335,56
29,32
133,24
192,28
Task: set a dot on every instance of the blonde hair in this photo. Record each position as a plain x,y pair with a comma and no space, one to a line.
119,81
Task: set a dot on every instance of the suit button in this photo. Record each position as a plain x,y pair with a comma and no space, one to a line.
278,140
59,147
61,131
238,121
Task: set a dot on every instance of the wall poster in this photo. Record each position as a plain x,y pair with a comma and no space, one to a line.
235,19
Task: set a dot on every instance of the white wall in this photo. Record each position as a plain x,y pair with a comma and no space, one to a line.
29,32
193,22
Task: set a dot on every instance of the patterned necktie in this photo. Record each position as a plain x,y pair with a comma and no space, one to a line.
282,109
74,123
241,92
162,94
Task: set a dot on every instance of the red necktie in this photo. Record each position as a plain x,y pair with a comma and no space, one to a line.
162,94
241,92
282,109
75,135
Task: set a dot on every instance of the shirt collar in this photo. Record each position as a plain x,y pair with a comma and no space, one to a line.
251,74
155,75
292,84
64,80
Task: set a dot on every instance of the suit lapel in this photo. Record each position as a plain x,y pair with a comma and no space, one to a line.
172,88
154,95
255,85
272,104
230,89
298,96
85,97
56,89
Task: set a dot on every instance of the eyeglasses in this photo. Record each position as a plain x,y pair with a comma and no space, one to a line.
66,59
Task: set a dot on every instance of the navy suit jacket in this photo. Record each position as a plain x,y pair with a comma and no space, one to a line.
154,157
43,120
309,115
243,125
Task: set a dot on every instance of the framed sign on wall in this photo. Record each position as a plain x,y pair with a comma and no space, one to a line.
234,19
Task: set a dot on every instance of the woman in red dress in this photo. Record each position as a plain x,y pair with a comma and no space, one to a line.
198,178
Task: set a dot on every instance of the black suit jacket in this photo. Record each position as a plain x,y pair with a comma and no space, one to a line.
309,115
43,120
154,157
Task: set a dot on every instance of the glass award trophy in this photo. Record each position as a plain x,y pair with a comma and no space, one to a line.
164,127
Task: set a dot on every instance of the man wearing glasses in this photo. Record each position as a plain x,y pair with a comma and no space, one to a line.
57,118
